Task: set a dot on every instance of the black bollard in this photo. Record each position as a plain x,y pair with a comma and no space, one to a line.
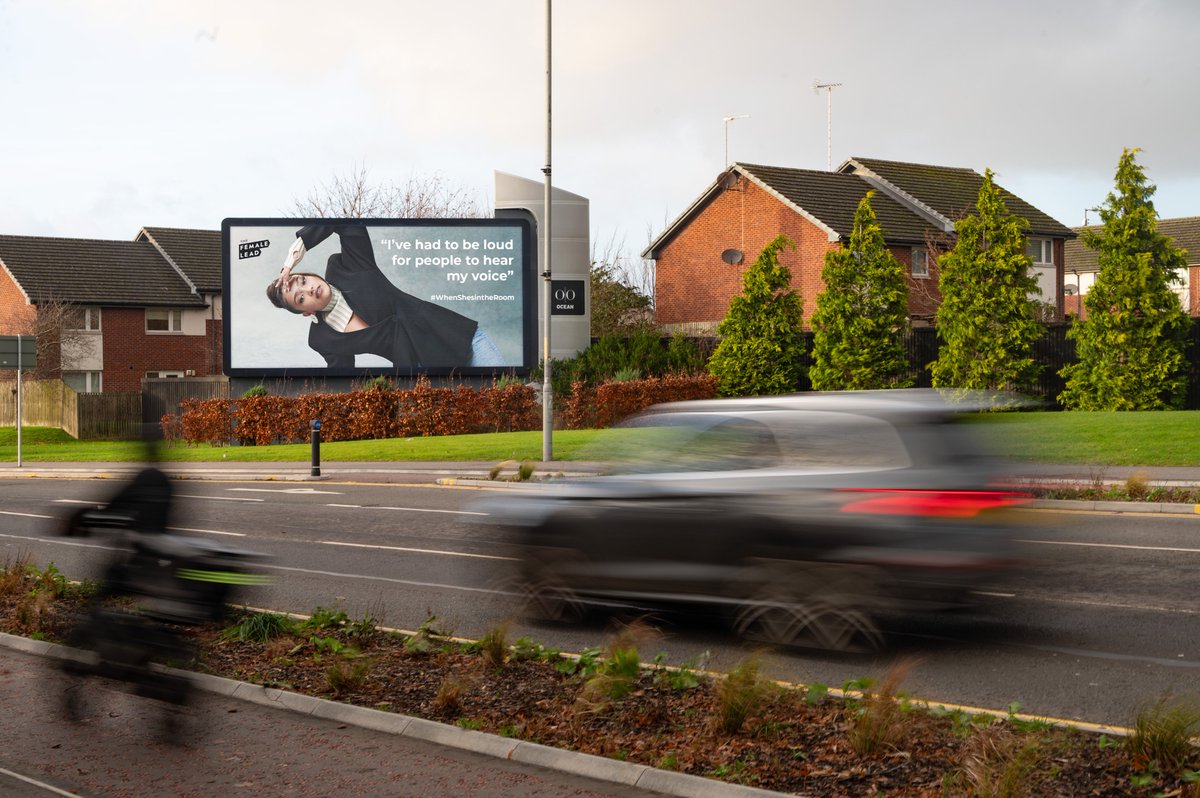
315,426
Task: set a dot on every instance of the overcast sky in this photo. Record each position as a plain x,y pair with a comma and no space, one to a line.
120,114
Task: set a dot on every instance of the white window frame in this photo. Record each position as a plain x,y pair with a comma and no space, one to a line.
923,273
93,381
1044,250
173,318
91,320
169,374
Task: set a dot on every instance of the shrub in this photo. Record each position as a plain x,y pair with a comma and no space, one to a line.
739,695
345,676
878,720
494,645
1163,732
259,627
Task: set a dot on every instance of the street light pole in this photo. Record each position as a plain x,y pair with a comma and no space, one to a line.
547,391
729,119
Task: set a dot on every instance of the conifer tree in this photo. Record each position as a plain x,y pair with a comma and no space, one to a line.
762,349
1131,345
862,314
988,320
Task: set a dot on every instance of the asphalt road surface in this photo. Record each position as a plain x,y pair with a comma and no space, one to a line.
1106,621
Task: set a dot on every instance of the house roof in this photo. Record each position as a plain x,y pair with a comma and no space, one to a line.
1185,230
827,199
94,272
948,192
195,253
910,199
833,198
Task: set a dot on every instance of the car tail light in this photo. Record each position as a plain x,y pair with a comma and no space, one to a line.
936,503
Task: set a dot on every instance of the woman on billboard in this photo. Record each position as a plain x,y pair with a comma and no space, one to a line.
355,309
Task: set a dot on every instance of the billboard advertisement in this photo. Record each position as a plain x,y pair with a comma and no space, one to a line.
362,297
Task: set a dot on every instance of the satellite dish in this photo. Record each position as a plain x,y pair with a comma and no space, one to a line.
1070,290
728,180
732,256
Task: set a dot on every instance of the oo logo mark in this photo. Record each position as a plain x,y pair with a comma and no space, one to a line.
564,294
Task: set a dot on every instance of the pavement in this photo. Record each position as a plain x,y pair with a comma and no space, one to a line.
422,757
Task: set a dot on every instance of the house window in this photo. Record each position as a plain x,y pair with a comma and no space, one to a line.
82,319
161,375
1040,251
920,263
159,320
83,381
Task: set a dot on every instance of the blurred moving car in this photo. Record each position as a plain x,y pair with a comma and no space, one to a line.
801,518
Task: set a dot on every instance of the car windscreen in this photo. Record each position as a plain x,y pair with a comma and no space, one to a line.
658,442
705,441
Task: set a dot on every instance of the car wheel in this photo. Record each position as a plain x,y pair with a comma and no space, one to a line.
548,600
812,605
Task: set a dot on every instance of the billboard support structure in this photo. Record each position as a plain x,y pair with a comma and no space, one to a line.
547,298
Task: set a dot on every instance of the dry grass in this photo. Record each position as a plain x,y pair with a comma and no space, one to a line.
877,721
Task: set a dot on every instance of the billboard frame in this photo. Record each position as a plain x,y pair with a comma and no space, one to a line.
529,283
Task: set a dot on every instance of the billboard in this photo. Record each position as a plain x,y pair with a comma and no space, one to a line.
363,297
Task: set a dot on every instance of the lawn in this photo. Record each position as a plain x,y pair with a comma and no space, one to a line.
1115,439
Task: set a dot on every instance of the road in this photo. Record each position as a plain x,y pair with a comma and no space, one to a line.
1105,622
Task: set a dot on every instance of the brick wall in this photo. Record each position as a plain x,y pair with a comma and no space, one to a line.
129,352
693,284
16,317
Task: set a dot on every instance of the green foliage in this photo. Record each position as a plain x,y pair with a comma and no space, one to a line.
683,356
683,677
987,321
641,351
627,375
1131,345
424,639
51,582
862,315
257,390
379,383
329,619
762,349
618,309
259,627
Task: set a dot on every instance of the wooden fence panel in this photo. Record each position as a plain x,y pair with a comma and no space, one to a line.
109,416
161,397
42,403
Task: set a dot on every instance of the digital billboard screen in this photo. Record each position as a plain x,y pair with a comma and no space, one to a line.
361,297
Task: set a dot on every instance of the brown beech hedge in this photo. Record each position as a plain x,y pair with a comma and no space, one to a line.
419,411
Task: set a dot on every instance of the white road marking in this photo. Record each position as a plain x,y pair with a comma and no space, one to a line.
25,515
1112,546
40,784
416,551
287,490
406,509
77,501
207,531
219,498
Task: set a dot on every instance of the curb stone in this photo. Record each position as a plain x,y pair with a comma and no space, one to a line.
680,785
1170,508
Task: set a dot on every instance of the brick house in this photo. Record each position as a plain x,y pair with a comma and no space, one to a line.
702,255
1081,265
150,307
